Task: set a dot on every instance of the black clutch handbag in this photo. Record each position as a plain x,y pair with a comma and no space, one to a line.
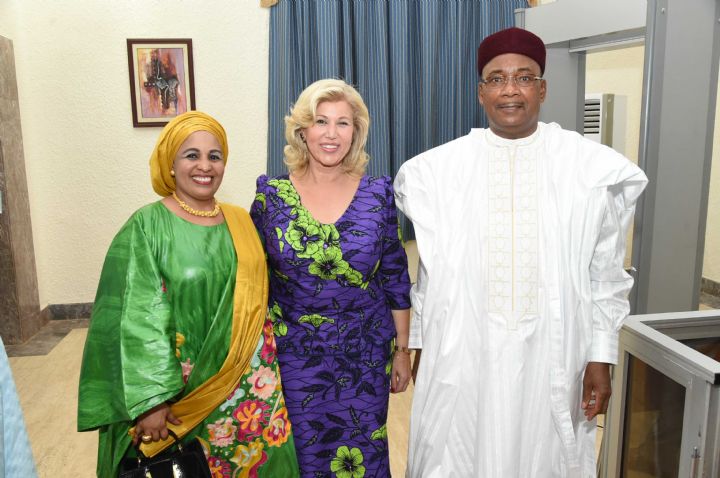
181,460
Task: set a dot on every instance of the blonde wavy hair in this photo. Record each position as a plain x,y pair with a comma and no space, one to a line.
302,115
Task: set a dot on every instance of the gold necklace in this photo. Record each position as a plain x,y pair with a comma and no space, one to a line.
195,212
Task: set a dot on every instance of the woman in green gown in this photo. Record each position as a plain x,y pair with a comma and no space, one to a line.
178,337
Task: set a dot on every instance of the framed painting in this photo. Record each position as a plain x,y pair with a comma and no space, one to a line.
162,85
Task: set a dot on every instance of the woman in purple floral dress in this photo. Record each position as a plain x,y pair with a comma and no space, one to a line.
339,287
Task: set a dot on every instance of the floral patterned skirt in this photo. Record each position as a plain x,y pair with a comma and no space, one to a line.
249,435
338,407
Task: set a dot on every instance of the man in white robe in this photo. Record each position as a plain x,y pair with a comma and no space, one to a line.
521,290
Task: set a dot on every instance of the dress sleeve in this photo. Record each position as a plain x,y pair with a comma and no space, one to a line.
610,284
394,264
411,193
129,363
259,206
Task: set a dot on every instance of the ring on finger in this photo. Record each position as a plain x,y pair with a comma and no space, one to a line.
146,438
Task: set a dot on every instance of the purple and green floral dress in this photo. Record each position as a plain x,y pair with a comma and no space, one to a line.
332,287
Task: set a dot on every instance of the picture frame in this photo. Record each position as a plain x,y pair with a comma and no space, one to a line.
162,81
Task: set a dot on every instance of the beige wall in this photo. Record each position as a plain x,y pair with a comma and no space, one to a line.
620,72
711,263
8,18
87,166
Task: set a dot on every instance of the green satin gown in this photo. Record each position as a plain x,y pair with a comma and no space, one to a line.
160,327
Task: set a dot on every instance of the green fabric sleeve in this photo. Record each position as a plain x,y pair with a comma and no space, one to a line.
129,363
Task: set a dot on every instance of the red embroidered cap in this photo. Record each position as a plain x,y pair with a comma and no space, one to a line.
511,40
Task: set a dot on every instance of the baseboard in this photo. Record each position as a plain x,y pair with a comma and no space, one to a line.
710,287
81,310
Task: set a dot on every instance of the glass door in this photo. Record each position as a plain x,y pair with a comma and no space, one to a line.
653,423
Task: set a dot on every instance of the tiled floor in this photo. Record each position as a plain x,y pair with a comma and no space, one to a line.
47,386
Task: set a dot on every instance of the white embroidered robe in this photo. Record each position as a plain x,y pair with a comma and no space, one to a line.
520,284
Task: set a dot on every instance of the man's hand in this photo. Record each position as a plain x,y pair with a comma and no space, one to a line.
596,389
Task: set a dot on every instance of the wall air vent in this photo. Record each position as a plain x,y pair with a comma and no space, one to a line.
598,125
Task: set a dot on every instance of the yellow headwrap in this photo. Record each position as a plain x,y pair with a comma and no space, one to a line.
171,138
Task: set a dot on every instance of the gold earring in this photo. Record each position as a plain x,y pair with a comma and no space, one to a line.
172,172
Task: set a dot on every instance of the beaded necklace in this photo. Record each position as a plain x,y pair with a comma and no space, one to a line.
196,212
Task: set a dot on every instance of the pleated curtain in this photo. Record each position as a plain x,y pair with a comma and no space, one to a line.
413,62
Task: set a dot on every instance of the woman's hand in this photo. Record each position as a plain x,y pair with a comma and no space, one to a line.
401,374
153,423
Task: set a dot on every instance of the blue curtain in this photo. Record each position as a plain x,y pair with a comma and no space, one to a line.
413,62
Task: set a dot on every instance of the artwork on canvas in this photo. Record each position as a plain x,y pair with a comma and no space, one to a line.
161,79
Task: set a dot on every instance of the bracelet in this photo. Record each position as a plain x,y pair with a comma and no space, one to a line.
402,349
